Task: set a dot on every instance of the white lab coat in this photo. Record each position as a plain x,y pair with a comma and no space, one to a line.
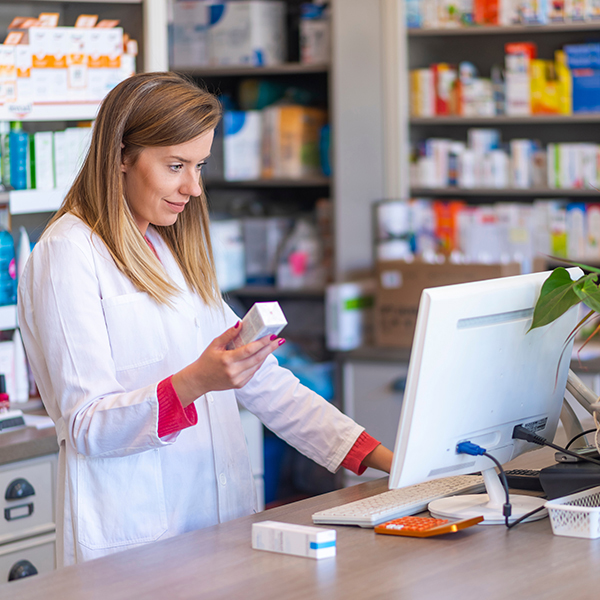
98,348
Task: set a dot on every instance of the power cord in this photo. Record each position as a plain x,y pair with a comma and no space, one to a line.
576,437
521,433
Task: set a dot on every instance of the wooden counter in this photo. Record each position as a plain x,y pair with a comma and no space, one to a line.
27,442
218,562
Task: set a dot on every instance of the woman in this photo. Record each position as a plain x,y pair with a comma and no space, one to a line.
127,338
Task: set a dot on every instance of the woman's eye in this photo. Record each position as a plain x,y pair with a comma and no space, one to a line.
200,165
175,168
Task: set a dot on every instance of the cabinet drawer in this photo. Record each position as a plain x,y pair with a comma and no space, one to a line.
39,552
30,510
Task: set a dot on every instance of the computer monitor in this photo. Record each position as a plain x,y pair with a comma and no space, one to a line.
475,372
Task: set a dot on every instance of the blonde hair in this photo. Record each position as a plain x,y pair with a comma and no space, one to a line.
145,110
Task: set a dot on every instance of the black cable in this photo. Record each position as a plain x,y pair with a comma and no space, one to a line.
520,433
507,508
526,516
579,435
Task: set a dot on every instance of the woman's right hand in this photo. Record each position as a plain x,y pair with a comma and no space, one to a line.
218,368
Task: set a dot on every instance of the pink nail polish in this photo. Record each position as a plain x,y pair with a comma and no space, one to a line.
281,341
273,337
237,325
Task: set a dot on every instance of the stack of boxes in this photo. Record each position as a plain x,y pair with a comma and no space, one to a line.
42,62
526,85
245,32
281,141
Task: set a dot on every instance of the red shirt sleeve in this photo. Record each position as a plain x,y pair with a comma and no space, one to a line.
172,417
364,445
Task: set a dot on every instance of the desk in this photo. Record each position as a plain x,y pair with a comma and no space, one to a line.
483,563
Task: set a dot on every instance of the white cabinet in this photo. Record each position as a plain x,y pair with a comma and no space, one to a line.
373,394
27,517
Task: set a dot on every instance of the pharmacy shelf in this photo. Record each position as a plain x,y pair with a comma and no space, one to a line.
8,317
23,202
82,1
505,29
276,293
49,111
508,192
243,71
507,120
268,183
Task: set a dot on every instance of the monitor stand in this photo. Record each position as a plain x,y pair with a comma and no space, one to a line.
487,505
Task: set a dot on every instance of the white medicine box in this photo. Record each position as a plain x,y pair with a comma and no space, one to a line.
190,33
249,32
241,144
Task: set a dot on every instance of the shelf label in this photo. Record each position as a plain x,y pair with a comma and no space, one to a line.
19,110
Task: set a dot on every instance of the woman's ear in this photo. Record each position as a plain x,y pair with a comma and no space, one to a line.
123,165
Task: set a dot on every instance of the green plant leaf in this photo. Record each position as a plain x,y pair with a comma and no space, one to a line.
572,264
557,296
589,292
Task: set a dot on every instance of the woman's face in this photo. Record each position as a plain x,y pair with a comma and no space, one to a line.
163,178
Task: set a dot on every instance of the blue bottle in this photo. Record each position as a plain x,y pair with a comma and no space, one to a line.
18,142
8,270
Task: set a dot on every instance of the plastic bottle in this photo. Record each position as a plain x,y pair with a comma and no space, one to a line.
8,271
18,146
300,259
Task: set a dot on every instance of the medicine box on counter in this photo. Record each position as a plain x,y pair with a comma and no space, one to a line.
398,291
299,540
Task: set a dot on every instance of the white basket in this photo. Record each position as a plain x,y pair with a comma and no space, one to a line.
576,515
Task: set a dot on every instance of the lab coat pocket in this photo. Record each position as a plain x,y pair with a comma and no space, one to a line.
121,500
135,329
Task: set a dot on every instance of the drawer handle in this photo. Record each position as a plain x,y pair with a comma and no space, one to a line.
19,488
399,385
21,569
18,512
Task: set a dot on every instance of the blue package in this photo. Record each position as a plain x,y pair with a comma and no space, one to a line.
583,56
586,90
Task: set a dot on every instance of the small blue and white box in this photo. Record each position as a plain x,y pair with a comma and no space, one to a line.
299,540
247,32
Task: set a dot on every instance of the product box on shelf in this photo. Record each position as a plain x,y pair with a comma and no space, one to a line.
290,141
315,35
241,144
399,286
518,76
191,19
229,253
586,90
263,238
250,32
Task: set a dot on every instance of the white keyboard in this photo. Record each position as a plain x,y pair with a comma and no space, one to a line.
394,504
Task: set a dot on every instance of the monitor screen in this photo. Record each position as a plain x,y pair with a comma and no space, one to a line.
475,373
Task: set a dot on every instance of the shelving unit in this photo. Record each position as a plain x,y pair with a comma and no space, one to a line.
531,192
504,29
484,47
312,182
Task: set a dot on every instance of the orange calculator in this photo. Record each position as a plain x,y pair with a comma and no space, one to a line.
424,526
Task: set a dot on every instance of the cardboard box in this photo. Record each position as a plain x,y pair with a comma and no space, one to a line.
399,287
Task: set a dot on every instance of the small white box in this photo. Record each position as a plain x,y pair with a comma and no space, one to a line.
191,19
241,144
43,145
300,540
264,318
